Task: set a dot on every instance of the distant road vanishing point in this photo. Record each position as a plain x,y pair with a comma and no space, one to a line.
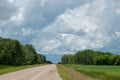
47,72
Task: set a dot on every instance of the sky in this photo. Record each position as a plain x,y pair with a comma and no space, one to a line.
62,26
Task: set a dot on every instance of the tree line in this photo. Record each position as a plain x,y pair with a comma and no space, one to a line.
14,53
90,57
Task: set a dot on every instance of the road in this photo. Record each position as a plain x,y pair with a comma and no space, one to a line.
47,72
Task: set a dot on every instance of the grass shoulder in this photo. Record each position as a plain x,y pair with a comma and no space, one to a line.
8,68
62,70
69,73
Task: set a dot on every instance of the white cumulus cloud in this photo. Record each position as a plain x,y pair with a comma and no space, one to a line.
62,26
83,27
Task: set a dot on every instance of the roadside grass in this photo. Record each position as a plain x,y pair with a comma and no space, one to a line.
68,73
63,72
99,72
8,68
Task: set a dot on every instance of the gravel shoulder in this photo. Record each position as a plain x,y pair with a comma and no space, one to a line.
47,72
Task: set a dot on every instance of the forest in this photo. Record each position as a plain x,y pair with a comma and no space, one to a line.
12,52
91,57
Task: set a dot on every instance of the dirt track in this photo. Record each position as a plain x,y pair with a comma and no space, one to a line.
48,72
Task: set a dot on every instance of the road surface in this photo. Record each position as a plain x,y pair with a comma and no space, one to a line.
47,72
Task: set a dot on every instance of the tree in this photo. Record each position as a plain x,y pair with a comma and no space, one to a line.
117,61
68,59
112,59
17,55
85,57
13,53
90,57
30,55
10,52
48,62
101,60
41,59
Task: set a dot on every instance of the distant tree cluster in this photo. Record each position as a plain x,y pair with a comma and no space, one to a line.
90,57
13,53
68,59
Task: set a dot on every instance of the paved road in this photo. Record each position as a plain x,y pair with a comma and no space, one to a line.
47,72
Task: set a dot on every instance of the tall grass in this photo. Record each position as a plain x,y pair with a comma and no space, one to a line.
63,73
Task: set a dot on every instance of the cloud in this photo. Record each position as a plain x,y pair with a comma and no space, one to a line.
41,13
59,26
7,9
89,26
35,14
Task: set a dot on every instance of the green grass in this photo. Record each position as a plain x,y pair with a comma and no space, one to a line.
69,73
63,73
99,72
7,68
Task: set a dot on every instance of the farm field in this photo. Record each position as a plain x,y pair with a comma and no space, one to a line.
99,72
